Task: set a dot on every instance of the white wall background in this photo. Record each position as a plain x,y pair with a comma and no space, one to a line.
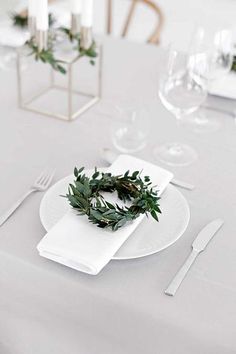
181,16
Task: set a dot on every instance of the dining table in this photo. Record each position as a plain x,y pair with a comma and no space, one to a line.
47,308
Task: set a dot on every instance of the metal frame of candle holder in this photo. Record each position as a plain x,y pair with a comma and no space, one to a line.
70,116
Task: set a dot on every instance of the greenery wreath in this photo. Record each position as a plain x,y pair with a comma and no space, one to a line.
85,196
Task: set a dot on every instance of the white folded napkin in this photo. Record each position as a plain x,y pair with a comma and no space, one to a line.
78,244
225,86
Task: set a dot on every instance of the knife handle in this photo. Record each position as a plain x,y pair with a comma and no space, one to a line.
179,277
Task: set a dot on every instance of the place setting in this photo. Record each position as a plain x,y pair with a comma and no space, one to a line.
133,208
97,215
117,227
124,233
129,210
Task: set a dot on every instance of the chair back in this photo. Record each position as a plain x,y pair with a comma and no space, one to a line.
156,33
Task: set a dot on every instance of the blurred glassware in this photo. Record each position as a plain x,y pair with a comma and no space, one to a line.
215,50
129,127
7,57
217,46
182,89
11,38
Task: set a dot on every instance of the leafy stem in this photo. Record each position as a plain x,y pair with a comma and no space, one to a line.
46,56
85,195
90,52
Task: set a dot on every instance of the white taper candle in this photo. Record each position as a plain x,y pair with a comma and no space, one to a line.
87,13
32,8
42,15
76,6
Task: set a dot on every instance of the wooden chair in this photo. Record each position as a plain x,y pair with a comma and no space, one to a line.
155,36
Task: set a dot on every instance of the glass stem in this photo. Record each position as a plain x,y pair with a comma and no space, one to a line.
178,117
201,118
175,149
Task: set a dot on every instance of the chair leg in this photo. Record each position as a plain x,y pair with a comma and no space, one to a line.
129,17
109,16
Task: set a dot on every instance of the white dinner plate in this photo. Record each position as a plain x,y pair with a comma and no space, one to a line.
149,237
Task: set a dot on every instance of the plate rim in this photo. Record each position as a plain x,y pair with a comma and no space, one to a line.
131,257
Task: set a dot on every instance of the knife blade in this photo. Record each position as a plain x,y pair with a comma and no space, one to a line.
198,245
206,234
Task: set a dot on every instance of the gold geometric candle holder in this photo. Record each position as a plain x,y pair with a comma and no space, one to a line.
64,96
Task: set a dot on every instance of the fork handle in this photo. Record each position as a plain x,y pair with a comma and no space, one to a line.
179,277
13,208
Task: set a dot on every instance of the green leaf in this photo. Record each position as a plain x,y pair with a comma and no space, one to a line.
111,206
135,174
85,196
121,223
95,175
76,172
154,215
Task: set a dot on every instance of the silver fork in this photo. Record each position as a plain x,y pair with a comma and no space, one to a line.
41,184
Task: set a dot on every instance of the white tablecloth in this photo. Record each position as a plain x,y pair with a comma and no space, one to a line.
46,308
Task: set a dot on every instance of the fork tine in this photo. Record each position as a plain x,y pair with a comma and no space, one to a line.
48,178
44,180
40,177
44,177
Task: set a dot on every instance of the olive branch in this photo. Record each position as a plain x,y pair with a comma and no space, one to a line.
76,38
46,56
85,196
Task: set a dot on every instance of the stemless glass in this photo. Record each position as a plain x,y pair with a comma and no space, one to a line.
129,127
216,47
181,90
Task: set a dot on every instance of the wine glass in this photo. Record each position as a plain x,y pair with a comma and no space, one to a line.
215,48
182,89
10,39
7,57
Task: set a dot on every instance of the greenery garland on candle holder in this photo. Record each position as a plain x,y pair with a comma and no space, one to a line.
76,38
47,55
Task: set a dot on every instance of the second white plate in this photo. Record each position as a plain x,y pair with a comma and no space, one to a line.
149,237
225,86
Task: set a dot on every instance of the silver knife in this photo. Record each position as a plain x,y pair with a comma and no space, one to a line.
110,156
199,244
